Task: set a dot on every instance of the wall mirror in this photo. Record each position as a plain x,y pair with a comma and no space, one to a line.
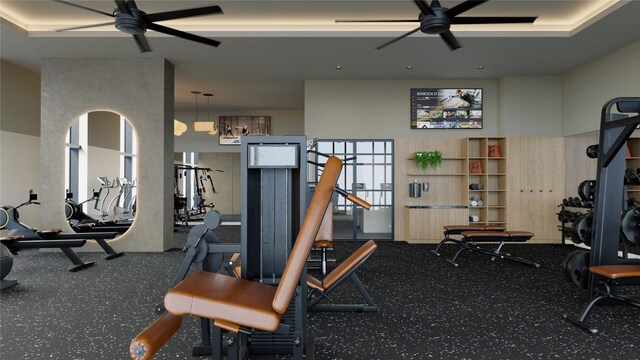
100,172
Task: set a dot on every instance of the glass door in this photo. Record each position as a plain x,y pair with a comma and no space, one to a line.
370,177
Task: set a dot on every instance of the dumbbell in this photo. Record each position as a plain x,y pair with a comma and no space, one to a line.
587,204
631,225
566,232
565,202
474,218
632,176
574,201
475,186
587,190
592,151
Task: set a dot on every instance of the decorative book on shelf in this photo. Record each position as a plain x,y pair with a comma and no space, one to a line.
494,151
475,167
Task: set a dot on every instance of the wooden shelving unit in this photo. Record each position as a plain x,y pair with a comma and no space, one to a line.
492,177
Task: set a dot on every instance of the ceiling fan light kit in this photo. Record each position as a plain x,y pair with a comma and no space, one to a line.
135,22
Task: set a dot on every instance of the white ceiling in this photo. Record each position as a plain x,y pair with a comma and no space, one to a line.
270,47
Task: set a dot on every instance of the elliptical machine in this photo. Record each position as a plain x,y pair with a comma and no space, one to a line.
81,222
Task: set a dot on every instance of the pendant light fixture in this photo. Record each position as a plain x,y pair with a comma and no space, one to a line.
179,127
204,126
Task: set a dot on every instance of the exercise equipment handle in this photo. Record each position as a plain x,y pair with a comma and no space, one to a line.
153,337
353,198
358,201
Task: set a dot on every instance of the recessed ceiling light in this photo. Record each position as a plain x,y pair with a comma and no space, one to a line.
338,67
481,67
408,67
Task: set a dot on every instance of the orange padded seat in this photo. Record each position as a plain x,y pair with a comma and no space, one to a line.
616,271
215,296
342,269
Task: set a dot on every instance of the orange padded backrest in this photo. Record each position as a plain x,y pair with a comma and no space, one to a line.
326,228
307,234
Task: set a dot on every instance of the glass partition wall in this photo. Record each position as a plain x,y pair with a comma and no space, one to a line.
370,177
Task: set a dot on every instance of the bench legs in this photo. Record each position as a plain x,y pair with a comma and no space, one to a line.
497,253
316,296
446,239
579,321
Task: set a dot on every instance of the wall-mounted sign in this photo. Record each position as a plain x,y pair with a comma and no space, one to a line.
433,108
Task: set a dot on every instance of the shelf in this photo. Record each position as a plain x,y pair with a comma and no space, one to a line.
496,158
477,207
436,174
496,190
496,174
497,207
633,158
497,222
449,158
478,157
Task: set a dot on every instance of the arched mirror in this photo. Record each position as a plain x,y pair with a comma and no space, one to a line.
100,173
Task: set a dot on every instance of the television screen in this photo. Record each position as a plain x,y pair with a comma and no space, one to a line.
446,108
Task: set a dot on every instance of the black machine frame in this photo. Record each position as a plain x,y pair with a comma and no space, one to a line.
615,131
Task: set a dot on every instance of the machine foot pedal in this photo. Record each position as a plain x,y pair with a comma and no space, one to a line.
435,253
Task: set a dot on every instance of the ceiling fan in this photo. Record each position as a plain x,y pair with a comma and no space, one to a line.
130,20
436,19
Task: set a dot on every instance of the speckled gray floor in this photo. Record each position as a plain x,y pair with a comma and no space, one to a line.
427,308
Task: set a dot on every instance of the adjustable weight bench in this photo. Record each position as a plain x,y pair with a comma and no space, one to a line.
236,305
470,240
609,276
319,290
451,230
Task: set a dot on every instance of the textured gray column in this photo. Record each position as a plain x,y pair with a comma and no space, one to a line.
142,91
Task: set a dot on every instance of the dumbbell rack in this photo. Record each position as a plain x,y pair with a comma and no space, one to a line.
563,224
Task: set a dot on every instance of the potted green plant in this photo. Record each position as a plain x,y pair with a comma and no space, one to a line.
424,159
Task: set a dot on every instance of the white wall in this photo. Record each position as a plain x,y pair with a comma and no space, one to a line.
530,106
19,138
366,109
587,88
20,172
283,122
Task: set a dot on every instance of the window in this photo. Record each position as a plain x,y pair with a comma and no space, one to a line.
72,160
370,177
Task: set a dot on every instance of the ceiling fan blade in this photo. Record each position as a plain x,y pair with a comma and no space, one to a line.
142,43
376,21
468,20
169,15
465,6
450,40
182,34
424,7
398,38
122,7
85,26
83,7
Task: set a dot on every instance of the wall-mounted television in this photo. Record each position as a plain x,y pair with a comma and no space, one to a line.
454,108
